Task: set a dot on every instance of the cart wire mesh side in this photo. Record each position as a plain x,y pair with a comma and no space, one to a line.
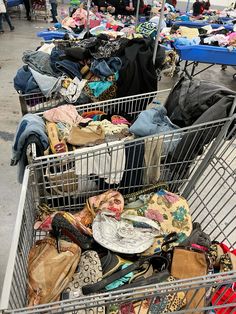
37,102
210,191
65,180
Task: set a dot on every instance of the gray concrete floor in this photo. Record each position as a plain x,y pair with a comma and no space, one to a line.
12,45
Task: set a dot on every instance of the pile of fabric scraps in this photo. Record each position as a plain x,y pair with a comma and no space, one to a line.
90,70
119,242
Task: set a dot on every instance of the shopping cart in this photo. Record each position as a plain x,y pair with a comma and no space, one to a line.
209,188
37,102
40,9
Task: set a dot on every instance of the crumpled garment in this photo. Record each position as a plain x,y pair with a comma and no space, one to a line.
30,124
108,127
66,114
24,81
39,61
80,16
47,84
68,23
182,41
47,48
221,39
188,32
73,91
232,39
147,29
103,69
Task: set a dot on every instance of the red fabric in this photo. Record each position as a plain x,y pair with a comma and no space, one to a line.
202,9
224,296
226,249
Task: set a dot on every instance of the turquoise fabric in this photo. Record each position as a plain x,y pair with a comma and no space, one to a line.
120,282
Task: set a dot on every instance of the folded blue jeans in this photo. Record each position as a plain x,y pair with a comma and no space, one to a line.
72,69
103,69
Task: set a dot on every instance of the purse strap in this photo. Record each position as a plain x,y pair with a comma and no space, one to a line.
96,287
149,189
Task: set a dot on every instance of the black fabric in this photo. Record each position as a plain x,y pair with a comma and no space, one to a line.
138,74
77,53
133,175
193,102
23,162
197,8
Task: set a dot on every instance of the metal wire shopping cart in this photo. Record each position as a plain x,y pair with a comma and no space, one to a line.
37,102
208,183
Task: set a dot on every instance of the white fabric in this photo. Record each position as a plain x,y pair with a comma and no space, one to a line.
2,7
121,236
74,90
103,160
156,19
47,48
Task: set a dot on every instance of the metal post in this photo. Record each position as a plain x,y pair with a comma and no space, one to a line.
187,7
137,12
88,17
158,30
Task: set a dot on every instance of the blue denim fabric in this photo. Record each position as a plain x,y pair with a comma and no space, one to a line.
24,81
54,11
55,56
29,124
103,69
72,69
39,61
153,122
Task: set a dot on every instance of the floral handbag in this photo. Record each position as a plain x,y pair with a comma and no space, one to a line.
170,212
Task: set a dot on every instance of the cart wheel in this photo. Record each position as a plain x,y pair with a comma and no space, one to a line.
234,76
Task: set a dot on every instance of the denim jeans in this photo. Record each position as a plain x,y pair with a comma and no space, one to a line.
7,18
54,12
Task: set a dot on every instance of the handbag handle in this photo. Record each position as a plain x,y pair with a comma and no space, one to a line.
96,287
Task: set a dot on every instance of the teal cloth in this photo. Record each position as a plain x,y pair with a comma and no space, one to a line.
100,87
120,282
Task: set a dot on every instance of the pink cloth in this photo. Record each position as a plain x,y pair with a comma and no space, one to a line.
232,39
80,16
66,114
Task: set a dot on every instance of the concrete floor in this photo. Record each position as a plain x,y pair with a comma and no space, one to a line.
12,45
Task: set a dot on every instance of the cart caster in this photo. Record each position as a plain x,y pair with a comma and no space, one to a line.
234,76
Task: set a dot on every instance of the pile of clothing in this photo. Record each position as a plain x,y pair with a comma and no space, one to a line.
104,140
186,36
90,70
119,242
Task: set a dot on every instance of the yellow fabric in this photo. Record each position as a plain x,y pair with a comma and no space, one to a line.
188,32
